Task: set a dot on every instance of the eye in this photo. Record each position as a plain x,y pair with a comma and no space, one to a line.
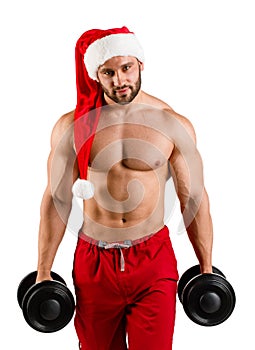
127,67
109,73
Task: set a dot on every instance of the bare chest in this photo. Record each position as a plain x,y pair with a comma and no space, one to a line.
136,147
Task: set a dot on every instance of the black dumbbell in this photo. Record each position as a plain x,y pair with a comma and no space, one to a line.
208,299
47,306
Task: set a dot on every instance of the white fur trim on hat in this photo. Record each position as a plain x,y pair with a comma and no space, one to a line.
83,189
110,46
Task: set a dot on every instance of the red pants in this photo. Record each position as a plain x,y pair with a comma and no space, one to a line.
125,293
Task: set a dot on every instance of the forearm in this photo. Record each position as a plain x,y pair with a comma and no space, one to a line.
200,232
51,231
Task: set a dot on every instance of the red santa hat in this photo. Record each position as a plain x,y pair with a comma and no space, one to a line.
93,49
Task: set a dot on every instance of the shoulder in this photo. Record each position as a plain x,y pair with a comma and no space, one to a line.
64,122
169,114
154,101
63,129
184,122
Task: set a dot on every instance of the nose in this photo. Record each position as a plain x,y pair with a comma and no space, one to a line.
118,79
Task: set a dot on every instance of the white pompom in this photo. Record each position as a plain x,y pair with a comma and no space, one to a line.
83,189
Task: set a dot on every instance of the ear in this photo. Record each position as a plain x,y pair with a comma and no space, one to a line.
97,79
141,64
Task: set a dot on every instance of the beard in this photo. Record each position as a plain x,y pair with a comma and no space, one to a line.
128,96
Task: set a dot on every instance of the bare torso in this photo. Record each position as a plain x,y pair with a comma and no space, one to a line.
134,147
129,167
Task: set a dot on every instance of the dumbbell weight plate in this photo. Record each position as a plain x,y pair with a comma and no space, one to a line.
29,280
191,273
208,299
47,306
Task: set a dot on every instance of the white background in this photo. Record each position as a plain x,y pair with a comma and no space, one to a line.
199,59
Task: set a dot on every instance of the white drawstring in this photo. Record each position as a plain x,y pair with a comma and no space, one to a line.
118,246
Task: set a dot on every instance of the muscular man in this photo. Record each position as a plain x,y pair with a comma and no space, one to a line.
123,144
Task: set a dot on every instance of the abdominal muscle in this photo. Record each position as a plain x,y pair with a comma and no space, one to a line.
128,204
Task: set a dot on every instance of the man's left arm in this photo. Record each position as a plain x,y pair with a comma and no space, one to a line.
187,171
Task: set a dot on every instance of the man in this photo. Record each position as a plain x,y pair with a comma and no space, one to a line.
116,151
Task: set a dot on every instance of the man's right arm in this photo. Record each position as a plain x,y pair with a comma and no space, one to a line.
57,199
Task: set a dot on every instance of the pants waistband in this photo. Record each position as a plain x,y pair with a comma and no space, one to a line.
121,244
118,244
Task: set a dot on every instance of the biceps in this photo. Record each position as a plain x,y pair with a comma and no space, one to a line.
187,172
62,171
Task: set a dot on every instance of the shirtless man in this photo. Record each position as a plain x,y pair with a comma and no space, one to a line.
125,272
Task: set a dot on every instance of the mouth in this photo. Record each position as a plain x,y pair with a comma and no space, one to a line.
122,91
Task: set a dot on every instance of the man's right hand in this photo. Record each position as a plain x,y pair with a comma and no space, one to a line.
43,276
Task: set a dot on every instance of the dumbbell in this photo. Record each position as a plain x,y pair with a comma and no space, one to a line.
47,306
208,299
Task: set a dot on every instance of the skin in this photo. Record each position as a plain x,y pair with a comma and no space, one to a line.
139,138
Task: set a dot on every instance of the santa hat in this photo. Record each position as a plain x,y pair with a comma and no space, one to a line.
93,48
